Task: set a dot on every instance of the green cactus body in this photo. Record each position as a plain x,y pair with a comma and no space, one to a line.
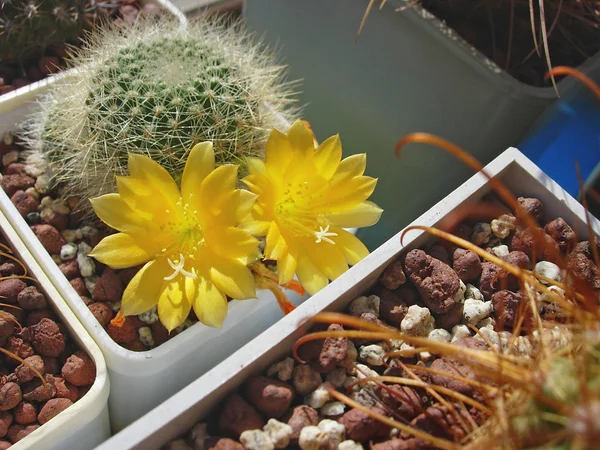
154,90
27,27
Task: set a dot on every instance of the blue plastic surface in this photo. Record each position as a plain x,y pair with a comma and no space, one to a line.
568,131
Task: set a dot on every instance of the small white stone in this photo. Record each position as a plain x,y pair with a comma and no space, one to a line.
363,372
35,165
364,304
278,432
46,202
488,322
33,171
47,214
84,248
68,251
146,337
197,435
333,409
500,251
256,440
439,335
498,340
364,397
476,310
481,233
283,369
60,206
350,445
69,235
42,183
459,297
336,432
460,331
317,398
32,193
372,354
88,231
312,438
473,292
90,282
337,377
549,270
417,322
87,267
522,346
350,380
10,157
503,225
149,316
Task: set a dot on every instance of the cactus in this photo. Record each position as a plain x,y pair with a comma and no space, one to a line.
154,90
27,27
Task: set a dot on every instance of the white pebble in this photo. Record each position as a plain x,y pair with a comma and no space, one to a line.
35,165
317,398
439,335
283,369
32,193
336,432
146,337
481,233
498,340
473,292
256,440
488,322
10,157
312,438
476,310
337,377
90,282
364,397
47,214
84,248
549,270
46,202
279,433
87,267
417,322
503,225
70,235
522,346
350,445
460,331
149,316
60,206
372,354
459,297
68,251
364,304
500,251
363,372
88,231
333,409
197,435
350,380
42,183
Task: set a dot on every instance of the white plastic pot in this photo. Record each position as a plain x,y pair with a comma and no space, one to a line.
85,424
18,97
178,414
406,72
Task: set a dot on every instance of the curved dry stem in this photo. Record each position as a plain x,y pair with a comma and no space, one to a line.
577,74
10,256
474,383
22,361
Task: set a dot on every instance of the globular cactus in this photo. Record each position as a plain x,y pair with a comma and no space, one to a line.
157,90
27,27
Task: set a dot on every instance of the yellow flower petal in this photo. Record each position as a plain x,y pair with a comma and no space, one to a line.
144,289
278,154
115,213
210,305
232,277
326,257
347,195
236,208
286,266
328,156
121,250
173,304
350,167
350,246
255,227
364,214
142,198
301,138
200,162
275,245
144,168
309,276
256,166
232,242
214,190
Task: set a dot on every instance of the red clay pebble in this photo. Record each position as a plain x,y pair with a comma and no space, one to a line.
159,333
435,281
52,408
49,237
488,283
10,268
7,328
47,338
300,417
15,168
58,221
438,421
102,312
66,390
333,352
79,369
79,286
25,413
35,316
562,233
400,444
108,288
127,332
24,372
506,305
238,416
10,396
438,251
24,203
466,264
50,365
135,346
526,241
35,391
86,300
451,318
10,288
582,269
392,308
17,182
404,400
20,348
222,444
533,207
361,427
30,298
70,269
126,275
17,432
6,420
4,445
393,276
270,396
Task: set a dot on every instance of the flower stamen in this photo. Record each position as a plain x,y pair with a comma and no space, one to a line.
178,268
323,235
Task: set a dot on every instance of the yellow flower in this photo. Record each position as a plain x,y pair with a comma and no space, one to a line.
189,240
305,199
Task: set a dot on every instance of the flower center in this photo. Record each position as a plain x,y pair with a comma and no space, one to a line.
184,225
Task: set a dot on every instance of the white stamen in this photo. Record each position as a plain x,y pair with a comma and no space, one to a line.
178,268
323,235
